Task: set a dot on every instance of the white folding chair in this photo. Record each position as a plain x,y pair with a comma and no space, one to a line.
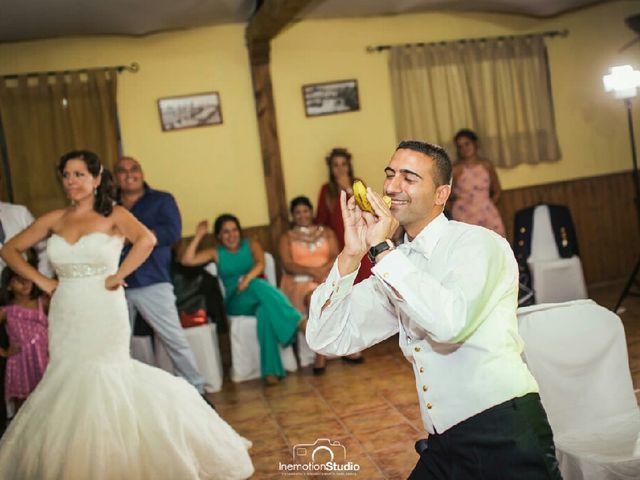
204,344
142,349
577,352
555,279
243,336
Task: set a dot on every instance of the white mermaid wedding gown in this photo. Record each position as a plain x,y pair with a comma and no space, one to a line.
97,414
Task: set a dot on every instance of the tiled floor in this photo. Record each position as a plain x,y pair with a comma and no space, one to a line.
371,409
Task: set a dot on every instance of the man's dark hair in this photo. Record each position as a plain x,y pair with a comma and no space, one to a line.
441,161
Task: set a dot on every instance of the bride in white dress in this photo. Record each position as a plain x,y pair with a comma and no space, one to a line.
97,414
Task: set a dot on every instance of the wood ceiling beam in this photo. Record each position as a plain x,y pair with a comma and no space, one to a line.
270,19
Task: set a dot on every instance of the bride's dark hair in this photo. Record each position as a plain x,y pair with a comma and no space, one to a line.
105,193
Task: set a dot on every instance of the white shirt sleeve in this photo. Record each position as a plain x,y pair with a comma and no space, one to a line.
345,319
452,308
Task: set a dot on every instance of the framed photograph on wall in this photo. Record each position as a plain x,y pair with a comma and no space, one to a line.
188,111
330,97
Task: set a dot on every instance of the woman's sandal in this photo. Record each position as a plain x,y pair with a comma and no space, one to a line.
271,380
319,370
355,361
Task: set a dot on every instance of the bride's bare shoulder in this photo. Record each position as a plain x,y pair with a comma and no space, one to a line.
52,220
53,216
119,212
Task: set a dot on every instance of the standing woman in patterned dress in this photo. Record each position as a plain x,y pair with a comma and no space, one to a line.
476,187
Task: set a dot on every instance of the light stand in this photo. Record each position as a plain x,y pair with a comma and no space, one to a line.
624,81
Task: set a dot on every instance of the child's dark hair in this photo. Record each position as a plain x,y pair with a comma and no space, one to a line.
6,295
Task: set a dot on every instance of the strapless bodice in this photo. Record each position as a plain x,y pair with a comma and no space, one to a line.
94,254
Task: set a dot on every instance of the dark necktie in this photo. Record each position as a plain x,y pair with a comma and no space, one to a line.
3,235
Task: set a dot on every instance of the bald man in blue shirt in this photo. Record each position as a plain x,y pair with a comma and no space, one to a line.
149,289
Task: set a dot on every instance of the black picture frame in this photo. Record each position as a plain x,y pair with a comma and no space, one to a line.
190,111
340,96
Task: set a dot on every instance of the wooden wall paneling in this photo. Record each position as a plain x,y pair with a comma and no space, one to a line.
604,216
603,212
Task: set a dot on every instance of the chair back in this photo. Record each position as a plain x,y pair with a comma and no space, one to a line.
543,243
578,354
270,269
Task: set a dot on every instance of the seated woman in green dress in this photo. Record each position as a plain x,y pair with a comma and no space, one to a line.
240,263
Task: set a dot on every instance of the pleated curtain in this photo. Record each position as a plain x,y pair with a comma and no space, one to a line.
46,116
498,87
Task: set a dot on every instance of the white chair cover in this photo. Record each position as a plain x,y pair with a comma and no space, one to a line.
243,335
204,345
555,279
306,356
577,353
142,349
245,350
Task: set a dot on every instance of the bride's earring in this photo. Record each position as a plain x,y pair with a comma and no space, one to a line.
95,192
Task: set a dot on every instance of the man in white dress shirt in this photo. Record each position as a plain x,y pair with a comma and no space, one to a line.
14,219
450,290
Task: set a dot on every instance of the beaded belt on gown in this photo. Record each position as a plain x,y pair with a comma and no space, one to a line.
79,270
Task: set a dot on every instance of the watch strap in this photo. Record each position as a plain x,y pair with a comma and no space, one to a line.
376,250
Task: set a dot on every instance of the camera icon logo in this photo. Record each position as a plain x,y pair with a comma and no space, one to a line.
322,450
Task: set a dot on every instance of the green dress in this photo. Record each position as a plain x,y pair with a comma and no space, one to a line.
277,319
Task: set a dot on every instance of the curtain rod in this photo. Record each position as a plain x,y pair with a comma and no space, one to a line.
133,68
550,33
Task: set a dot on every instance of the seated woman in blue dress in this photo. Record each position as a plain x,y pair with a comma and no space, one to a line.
240,265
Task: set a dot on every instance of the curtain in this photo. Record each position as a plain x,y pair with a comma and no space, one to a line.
46,116
498,87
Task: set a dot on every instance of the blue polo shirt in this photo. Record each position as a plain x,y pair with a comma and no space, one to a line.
159,212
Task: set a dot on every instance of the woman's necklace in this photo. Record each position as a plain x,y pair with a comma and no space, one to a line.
312,236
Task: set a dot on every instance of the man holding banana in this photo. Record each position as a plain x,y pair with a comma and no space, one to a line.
450,291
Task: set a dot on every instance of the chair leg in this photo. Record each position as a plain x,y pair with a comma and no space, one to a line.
296,351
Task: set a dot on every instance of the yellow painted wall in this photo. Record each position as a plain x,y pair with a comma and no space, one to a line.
210,170
591,125
219,168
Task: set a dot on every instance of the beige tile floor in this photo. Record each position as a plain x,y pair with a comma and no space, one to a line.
371,409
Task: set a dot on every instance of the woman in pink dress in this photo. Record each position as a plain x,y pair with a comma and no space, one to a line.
27,328
476,188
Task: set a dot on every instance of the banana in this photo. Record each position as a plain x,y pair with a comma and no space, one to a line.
360,193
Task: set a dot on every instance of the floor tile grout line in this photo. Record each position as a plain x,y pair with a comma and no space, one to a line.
273,417
353,434
407,419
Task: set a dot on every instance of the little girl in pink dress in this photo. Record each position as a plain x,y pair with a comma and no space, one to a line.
26,323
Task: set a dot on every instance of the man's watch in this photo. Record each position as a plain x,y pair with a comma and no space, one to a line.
379,248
